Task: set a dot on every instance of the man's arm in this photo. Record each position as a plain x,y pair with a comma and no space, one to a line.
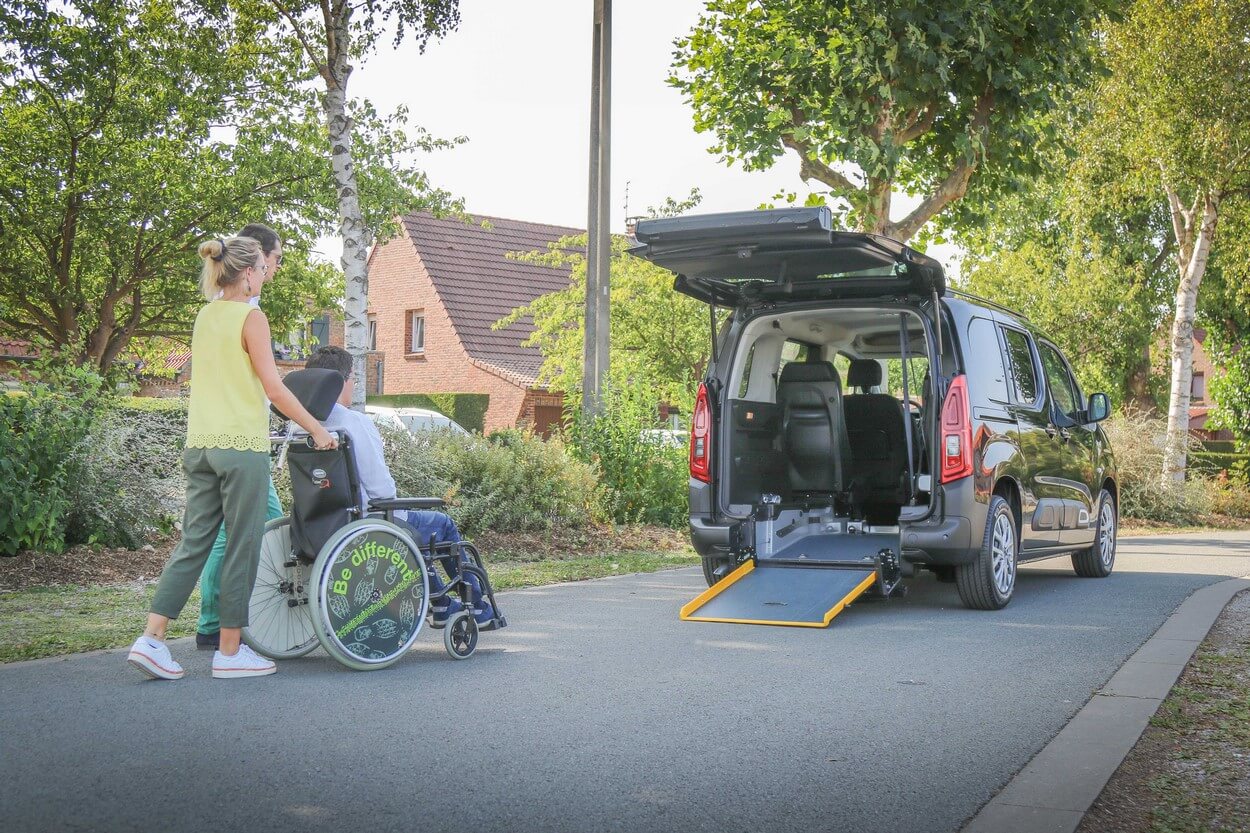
375,477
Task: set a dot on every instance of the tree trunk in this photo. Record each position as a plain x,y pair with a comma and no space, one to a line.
352,227
1192,269
1139,383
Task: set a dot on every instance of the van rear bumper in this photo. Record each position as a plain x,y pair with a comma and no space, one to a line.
945,539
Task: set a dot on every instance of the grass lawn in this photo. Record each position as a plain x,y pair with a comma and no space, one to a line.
1189,772
65,619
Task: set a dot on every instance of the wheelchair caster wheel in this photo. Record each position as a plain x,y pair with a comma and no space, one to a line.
460,635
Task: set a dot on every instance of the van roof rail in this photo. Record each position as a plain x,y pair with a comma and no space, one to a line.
1000,307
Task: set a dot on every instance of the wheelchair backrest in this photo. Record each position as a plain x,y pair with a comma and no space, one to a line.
325,493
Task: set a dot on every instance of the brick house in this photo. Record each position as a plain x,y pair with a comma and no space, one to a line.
434,292
1199,403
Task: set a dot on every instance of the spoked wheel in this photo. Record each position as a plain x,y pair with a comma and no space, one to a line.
369,595
1099,559
989,581
280,622
460,635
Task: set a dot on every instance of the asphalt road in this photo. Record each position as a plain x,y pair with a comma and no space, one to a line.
598,710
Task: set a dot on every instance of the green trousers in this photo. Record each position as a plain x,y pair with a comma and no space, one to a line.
211,575
223,485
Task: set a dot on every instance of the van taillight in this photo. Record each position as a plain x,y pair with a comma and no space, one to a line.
701,438
956,431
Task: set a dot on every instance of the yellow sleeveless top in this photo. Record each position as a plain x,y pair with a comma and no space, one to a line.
228,408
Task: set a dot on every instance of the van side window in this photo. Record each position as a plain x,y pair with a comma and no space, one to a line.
1022,371
792,351
984,359
1060,383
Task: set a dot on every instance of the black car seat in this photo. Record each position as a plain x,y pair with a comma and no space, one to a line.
874,425
813,427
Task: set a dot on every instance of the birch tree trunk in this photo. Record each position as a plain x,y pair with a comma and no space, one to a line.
352,228
1195,250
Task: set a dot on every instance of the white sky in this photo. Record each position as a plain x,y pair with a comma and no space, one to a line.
514,79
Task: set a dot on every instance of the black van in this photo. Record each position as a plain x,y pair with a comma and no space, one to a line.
853,400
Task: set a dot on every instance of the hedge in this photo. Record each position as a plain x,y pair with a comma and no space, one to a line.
467,409
1211,463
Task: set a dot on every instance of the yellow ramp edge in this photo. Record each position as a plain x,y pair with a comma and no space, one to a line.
688,609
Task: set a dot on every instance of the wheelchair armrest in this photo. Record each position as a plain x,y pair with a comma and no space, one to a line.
391,504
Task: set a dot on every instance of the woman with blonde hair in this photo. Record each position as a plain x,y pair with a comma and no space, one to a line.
226,459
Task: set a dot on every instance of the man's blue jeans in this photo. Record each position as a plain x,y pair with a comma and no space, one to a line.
430,528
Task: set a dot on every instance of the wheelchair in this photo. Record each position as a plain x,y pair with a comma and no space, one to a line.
344,575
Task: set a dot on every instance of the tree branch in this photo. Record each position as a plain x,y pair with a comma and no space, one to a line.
956,183
317,62
811,168
918,124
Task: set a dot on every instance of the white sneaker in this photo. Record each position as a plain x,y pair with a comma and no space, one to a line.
246,663
151,656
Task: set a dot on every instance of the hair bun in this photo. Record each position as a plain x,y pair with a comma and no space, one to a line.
215,249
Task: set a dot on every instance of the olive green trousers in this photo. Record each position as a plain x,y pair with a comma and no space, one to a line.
223,485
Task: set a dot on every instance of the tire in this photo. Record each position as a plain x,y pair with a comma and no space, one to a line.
989,581
370,594
1099,559
280,620
460,636
711,563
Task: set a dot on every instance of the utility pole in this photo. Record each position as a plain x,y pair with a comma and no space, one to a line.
598,223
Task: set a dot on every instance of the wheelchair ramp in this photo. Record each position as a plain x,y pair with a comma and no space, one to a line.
801,597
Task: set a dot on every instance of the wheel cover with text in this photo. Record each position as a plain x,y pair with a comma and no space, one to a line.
372,594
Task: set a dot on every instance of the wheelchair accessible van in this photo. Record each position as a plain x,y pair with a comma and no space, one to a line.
346,575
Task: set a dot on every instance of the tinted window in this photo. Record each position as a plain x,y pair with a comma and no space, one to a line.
1021,369
1059,382
792,351
984,360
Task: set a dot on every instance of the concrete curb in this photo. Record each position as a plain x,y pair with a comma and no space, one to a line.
1055,789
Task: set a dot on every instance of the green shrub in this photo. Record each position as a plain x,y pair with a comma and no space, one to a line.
509,482
1211,463
42,438
466,409
1137,441
130,480
644,479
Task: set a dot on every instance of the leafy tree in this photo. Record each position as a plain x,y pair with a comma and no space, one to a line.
1083,258
1175,102
660,339
129,132
932,98
330,35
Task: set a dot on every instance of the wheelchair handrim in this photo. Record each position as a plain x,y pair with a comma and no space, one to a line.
336,635
276,623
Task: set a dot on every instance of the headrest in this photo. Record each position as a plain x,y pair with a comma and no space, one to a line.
863,373
809,372
317,389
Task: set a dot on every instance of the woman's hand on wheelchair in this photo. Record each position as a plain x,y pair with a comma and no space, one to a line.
323,440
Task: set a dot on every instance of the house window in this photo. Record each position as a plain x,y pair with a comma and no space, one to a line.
321,330
1198,390
416,331
373,332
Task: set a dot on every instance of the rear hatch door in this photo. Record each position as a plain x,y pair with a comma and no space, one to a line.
745,257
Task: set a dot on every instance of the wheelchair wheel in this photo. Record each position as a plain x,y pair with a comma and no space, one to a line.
460,635
369,594
280,622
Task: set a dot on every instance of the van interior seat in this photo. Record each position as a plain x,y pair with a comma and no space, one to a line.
813,427
874,426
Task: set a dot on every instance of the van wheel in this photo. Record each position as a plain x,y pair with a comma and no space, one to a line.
989,581
711,564
1099,559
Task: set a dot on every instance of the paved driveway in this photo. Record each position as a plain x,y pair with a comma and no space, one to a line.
599,710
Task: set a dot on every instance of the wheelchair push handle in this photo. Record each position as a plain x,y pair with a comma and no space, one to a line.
340,439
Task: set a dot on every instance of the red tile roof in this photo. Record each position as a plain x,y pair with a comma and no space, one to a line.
479,284
17,348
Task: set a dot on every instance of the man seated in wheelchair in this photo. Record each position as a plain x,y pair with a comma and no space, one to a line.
430,528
